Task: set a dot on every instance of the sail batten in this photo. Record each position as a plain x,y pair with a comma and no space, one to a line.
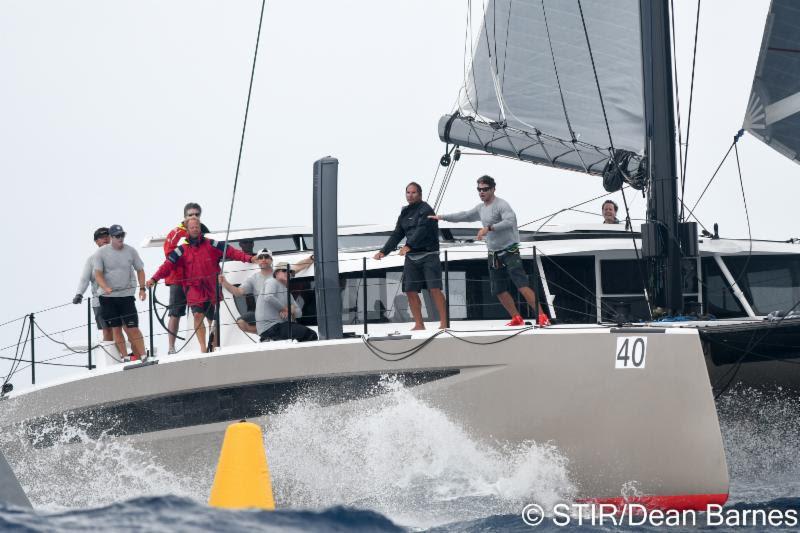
530,92
773,110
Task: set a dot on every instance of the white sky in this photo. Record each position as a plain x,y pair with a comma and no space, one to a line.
122,111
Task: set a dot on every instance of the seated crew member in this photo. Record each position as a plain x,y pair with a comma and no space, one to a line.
274,308
199,258
254,285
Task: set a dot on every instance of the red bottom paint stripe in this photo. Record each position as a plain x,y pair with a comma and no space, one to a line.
680,502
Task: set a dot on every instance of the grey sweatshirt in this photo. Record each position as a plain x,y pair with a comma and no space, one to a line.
87,277
269,304
499,215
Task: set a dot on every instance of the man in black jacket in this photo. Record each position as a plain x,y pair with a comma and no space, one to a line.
422,269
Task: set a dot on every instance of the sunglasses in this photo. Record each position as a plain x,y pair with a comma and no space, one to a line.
484,189
120,236
192,214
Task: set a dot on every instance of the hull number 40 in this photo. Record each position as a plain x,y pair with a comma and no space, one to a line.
631,352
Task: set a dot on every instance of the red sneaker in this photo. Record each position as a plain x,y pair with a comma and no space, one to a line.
516,321
543,320
133,357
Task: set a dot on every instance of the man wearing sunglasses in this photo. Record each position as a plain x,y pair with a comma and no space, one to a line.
101,238
502,240
116,268
177,295
254,285
199,258
272,311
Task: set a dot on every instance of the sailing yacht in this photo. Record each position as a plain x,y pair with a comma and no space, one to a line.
552,84
623,402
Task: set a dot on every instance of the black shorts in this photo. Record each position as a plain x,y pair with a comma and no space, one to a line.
249,317
423,273
177,301
98,318
119,311
210,310
285,331
506,267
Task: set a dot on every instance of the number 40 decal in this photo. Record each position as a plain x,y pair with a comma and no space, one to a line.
631,352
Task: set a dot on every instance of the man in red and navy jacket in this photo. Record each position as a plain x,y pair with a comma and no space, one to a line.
177,297
199,257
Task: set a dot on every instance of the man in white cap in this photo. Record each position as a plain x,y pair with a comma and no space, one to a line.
274,306
254,284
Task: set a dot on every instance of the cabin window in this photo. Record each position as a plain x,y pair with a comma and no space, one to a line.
273,244
572,282
717,294
771,283
369,241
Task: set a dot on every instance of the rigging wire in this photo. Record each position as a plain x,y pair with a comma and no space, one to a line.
241,141
691,97
677,98
714,175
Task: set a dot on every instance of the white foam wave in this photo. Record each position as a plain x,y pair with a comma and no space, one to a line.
398,456
393,454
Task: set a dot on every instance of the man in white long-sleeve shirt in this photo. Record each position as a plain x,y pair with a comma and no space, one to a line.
502,239
274,307
101,238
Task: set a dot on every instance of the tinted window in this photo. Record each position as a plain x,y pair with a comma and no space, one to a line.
771,283
274,244
572,282
717,295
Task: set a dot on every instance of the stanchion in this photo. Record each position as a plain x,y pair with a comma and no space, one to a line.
89,332
364,285
289,298
33,352
446,290
537,280
150,306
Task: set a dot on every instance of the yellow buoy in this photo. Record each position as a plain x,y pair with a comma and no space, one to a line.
242,480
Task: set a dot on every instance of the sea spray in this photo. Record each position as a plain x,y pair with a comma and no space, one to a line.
391,453
761,433
77,470
401,457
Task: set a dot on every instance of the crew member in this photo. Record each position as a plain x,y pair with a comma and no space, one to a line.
199,258
422,268
502,240
116,269
101,238
275,308
254,284
610,212
177,297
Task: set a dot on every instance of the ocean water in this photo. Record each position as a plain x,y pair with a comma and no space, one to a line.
394,464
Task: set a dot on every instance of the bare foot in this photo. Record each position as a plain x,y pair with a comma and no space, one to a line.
418,328
442,326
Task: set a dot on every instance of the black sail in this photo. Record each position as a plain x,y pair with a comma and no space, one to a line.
773,111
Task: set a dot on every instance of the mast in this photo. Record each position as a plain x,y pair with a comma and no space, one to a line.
660,241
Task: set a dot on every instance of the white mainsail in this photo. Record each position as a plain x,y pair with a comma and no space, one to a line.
531,93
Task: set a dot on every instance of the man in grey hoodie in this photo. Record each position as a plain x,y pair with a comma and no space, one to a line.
502,240
101,238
